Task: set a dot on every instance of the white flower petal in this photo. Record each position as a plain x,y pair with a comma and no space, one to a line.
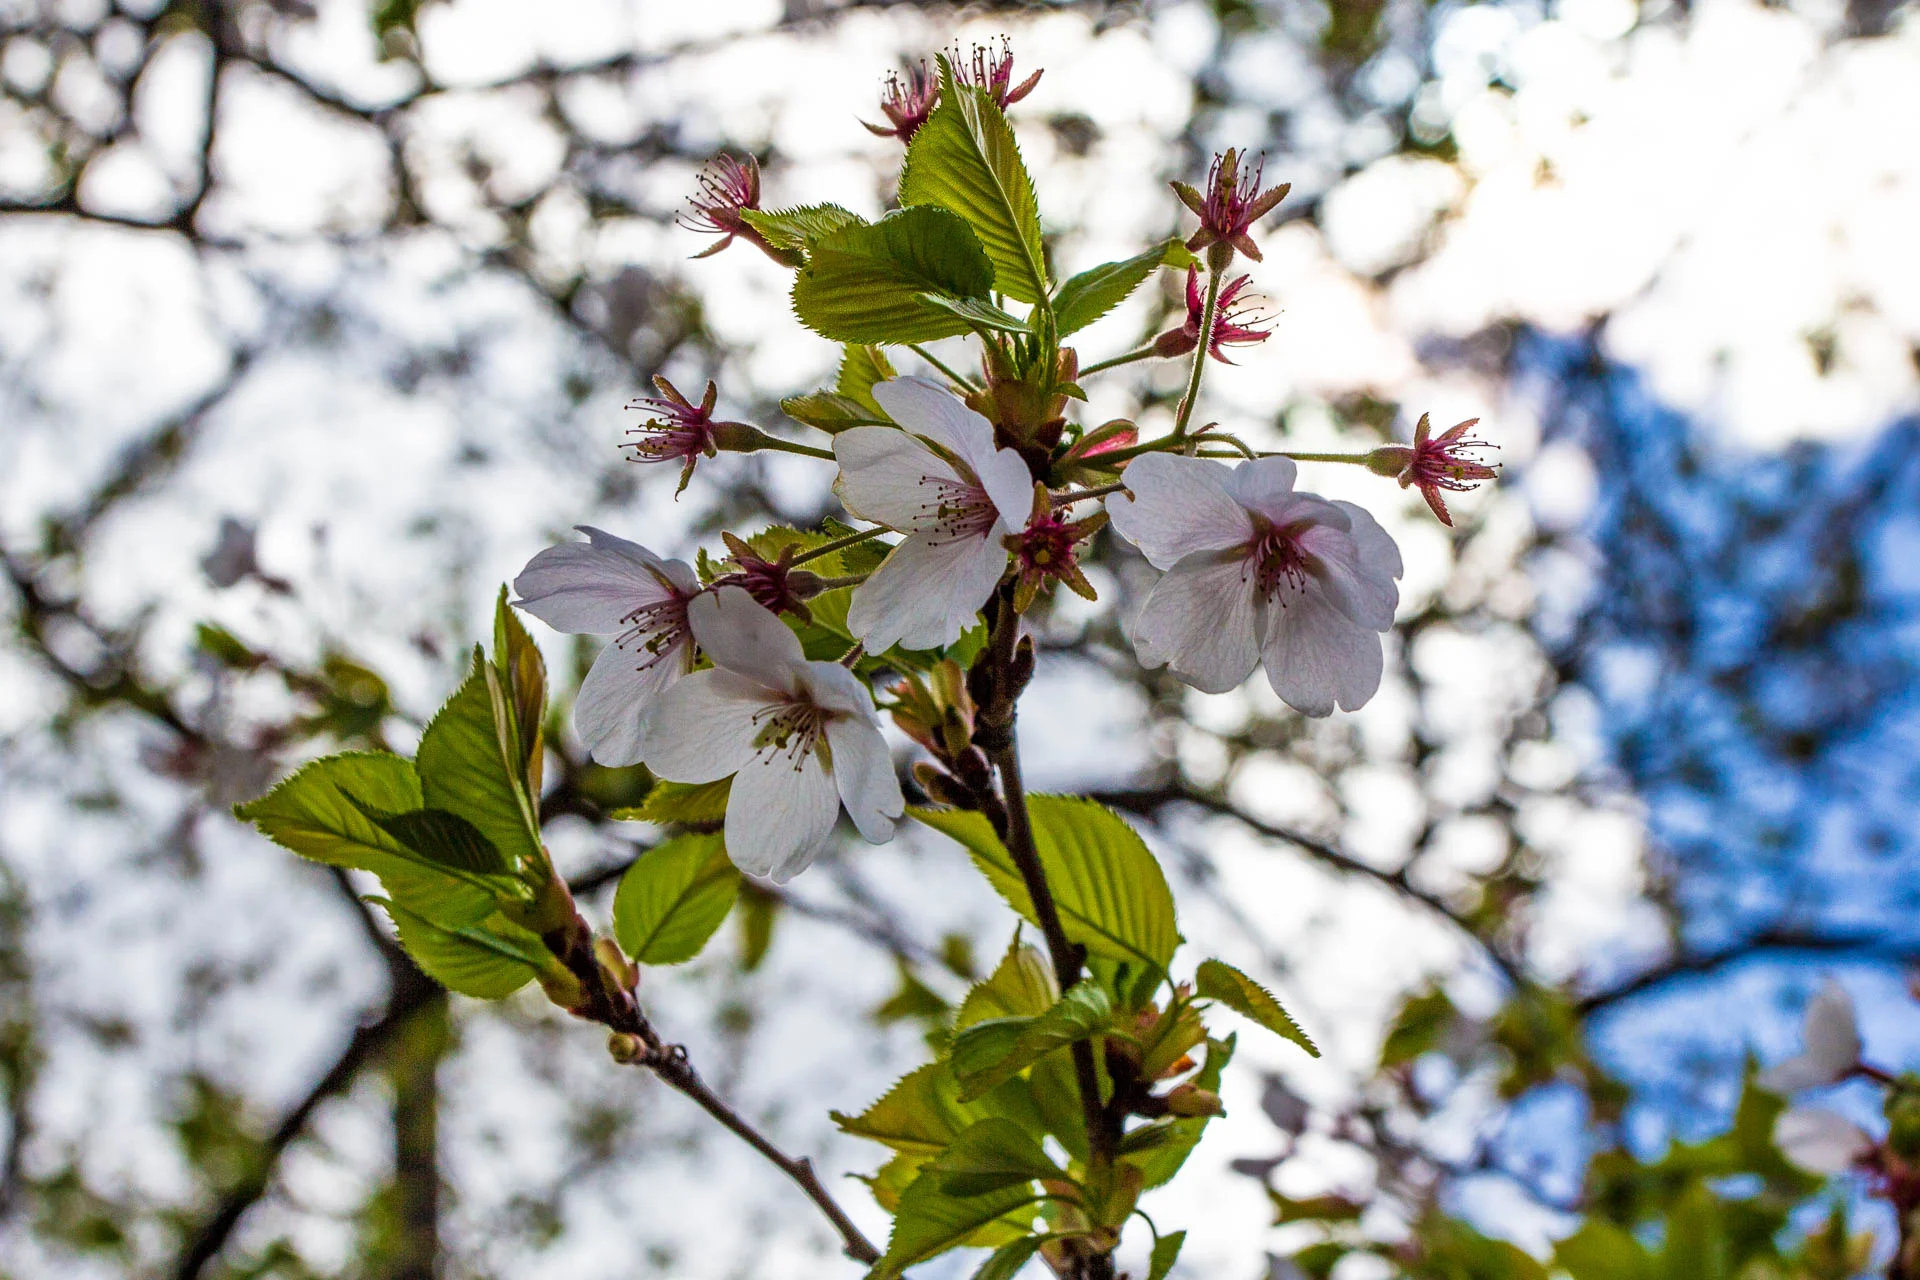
1178,506
832,686
743,635
617,694
780,814
1375,544
929,409
1831,1046
1009,487
590,587
702,729
863,772
1820,1140
1316,657
1264,485
1362,590
882,471
1200,620
926,592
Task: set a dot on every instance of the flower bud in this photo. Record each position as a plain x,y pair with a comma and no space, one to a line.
616,964
1192,1100
626,1047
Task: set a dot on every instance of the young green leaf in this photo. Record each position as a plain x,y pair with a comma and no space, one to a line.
470,764
1006,1261
1161,1159
490,960
991,1156
863,368
929,1221
863,283
831,412
1217,980
673,898
446,840
312,814
1166,1251
523,674
1098,290
695,804
799,228
989,1052
1599,1250
977,314
965,159
1111,893
1021,986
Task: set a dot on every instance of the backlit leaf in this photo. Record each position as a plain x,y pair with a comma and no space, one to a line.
1217,980
673,899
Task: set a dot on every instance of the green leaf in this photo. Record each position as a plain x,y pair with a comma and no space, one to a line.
863,283
1217,980
1162,1160
799,228
312,814
830,412
1110,891
930,1221
490,961
1599,1250
977,314
523,674
759,911
446,840
1021,986
1007,1260
989,1052
1166,1250
1418,1028
470,764
861,370
965,159
673,898
922,1113
1098,290
991,1156
692,803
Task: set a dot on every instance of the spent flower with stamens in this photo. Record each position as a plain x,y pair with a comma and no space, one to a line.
774,584
676,431
1236,322
729,190
1048,550
907,101
799,738
609,586
1232,204
992,69
1433,463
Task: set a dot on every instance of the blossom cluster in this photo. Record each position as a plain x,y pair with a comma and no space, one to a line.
971,489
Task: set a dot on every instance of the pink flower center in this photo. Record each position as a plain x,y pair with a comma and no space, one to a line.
955,509
1278,562
794,729
660,439
1047,545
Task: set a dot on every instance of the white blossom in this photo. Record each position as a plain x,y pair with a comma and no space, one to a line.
609,586
800,738
941,482
1830,1045
1258,575
1820,1140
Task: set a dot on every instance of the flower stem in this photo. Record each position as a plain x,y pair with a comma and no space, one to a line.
838,544
1359,459
851,580
953,377
1081,495
1199,357
1139,353
790,446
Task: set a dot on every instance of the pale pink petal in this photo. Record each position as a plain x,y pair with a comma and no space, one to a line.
617,694
929,409
926,592
1375,544
702,729
1316,657
1831,1048
1363,591
1200,620
1820,1140
1009,486
592,586
832,686
883,472
863,772
780,814
1178,506
743,635
1263,485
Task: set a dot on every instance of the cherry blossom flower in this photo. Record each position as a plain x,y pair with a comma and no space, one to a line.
678,430
799,738
944,484
1233,202
907,102
1820,1140
1830,1045
1048,550
1233,326
1433,463
609,586
728,188
993,71
1258,575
